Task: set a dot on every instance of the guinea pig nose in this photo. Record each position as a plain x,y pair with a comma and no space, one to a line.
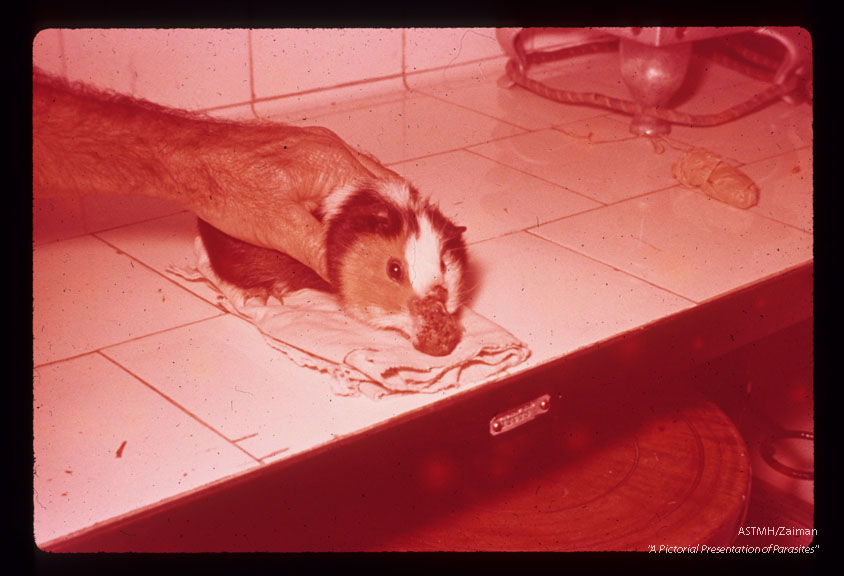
438,293
433,302
436,332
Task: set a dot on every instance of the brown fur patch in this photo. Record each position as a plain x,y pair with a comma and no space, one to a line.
364,274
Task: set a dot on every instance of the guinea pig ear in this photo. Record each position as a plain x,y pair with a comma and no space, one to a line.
382,218
447,228
452,230
367,211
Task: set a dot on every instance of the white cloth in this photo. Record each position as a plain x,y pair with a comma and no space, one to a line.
311,328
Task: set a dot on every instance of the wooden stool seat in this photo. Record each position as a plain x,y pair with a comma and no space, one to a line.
677,477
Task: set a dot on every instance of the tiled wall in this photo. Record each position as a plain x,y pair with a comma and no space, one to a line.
201,69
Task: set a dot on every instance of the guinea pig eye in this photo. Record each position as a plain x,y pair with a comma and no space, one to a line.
394,269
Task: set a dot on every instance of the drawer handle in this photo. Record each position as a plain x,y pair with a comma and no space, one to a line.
523,414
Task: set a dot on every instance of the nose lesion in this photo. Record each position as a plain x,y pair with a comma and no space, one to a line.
438,294
433,300
436,332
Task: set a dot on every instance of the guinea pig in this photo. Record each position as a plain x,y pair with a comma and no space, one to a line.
393,259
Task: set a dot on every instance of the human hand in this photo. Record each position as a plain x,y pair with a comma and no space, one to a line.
256,181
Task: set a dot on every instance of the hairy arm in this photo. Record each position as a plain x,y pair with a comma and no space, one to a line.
255,181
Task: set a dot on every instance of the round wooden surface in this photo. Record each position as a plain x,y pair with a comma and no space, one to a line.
678,477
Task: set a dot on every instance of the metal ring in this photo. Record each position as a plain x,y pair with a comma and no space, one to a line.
768,452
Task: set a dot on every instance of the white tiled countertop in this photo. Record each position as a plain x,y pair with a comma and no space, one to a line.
145,390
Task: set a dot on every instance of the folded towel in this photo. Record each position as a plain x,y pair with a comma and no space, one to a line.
311,328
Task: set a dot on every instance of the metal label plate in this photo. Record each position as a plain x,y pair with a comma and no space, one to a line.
506,421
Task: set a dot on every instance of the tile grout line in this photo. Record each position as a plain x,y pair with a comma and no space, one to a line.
177,210
532,233
628,198
470,109
452,150
402,75
221,311
273,453
177,405
315,113
247,437
161,275
324,89
540,178
102,349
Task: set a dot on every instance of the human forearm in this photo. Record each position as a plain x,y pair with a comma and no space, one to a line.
87,142
259,182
